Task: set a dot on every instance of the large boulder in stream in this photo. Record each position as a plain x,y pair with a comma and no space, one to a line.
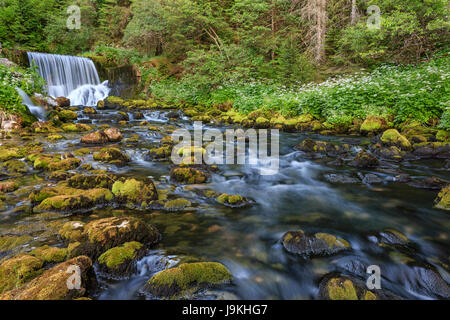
364,160
319,244
63,102
97,137
187,278
112,156
58,283
373,125
98,236
135,193
392,137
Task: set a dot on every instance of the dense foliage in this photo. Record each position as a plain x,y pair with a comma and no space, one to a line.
12,78
257,52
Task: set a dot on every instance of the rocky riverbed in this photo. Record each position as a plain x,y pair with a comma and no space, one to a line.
94,188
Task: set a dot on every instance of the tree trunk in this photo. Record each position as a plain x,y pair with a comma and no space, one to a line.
321,28
353,16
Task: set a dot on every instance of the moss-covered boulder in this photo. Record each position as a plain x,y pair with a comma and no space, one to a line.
319,244
443,135
8,243
108,233
113,102
390,237
72,200
13,166
323,147
430,150
233,201
187,279
64,165
49,254
18,270
443,199
9,152
111,155
392,137
177,204
162,153
135,193
81,181
89,110
72,231
67,115
364,160
8,186
188,175
75,127
58,283
339,287
119,262
373,125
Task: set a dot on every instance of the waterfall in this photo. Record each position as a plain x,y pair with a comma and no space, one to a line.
72,77
38,111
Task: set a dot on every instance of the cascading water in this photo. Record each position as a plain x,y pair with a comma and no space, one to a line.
38,111
72,77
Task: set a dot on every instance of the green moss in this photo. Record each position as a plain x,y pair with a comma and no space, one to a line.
135,192
82,152
443,199
161,153
188,276
8,153
72,231
11,242
188,176
66,164
177,204
14,166
50,254
55,137
110,155
82,199
373,124
230,199
115,257
67,115
443,135
332,241
17,271
393,137
341,289
75,127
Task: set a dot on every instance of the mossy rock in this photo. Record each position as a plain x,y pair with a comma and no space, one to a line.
92,181
160,154
42,161
75,127
108,233
443,199
14,166
8,186
391,237
187,278
188,175
443,135
75,200
18,270
55,137
111,155
119,262
72,231
135,193
373,125
8,153
177,204
8,243
52,284
319,244
67,115
392,137
59,175
338,287
262,123
66,164
89,110
322,147
364,160
49,254
233,201
113,102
